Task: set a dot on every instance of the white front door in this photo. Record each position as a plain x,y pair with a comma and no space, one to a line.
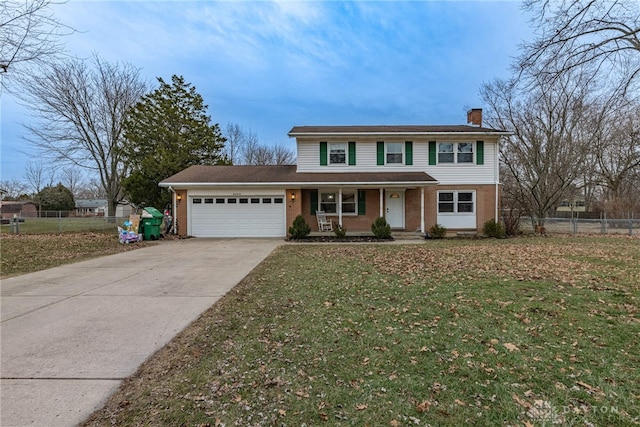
394,212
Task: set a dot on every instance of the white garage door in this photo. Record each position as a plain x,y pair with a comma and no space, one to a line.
246,216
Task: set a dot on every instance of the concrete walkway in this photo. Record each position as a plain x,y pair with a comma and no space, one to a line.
71,334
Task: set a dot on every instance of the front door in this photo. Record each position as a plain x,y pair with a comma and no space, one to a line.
394,213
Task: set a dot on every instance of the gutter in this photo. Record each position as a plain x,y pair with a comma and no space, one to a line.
394,134
313,184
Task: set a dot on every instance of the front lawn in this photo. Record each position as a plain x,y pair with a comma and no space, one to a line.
26,253
529,331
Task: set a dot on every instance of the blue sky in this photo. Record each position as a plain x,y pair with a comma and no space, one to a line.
269,66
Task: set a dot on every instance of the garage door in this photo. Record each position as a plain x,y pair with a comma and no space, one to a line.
246,216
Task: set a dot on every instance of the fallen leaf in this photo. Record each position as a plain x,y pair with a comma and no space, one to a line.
424,406
521,402
460,402
511,347
361,407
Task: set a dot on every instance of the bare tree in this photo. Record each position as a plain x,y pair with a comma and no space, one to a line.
546,155
617,153
79,114
72,178
283,156
235,141
38,176
572,33
90,190
29,32
243,148
13,189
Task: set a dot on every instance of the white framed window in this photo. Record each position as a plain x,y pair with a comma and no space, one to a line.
456,152
337,153
329,202
456,202
394,153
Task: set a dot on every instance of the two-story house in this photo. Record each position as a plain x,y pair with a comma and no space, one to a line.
414,176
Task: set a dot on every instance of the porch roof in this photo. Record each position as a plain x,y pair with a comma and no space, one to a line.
256,176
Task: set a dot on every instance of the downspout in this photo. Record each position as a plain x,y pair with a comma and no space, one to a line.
174,210
340,206
497,178
422,230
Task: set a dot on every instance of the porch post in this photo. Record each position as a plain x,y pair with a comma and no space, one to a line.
340,206
422,209
381,203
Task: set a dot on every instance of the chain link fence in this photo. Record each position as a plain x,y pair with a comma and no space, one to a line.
61,222
629,226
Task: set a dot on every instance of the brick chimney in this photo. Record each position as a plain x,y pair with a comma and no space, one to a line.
474,116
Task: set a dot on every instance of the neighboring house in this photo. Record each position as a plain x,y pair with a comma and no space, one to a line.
21,209
414,176
91,207
100,207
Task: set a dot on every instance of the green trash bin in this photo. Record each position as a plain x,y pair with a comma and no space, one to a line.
151,220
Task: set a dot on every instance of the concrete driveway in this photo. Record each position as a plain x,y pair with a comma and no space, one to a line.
71,334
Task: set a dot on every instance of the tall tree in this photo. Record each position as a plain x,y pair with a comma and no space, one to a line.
29,32
604,34
551,143
243,148
167,131
79,116
617,155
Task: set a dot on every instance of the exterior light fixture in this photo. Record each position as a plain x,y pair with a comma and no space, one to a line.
293,196
179,197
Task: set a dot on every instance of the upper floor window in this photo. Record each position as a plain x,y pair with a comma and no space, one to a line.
455,152
337,153
394,153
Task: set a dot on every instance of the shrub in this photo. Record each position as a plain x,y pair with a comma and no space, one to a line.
492,228
299,229
340,231
437,231
381,229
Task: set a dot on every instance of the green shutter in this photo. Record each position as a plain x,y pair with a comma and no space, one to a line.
352,153
432,152
323,153
362,202
408,153
313,194
380,147
479,152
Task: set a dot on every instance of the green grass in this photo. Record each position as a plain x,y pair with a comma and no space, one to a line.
478,332
26,253
65,225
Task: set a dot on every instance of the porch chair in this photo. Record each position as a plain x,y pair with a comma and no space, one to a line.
324,224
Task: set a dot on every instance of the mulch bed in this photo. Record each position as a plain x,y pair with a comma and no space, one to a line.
335,239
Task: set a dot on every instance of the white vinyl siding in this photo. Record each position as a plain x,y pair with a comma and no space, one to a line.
309,161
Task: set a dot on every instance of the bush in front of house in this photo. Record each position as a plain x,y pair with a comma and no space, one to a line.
495,229
299,229
381,229
340,231
437,231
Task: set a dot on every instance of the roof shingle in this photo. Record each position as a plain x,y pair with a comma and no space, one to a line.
264,175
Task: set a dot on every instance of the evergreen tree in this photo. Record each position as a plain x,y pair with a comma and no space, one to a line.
58,198
166,132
